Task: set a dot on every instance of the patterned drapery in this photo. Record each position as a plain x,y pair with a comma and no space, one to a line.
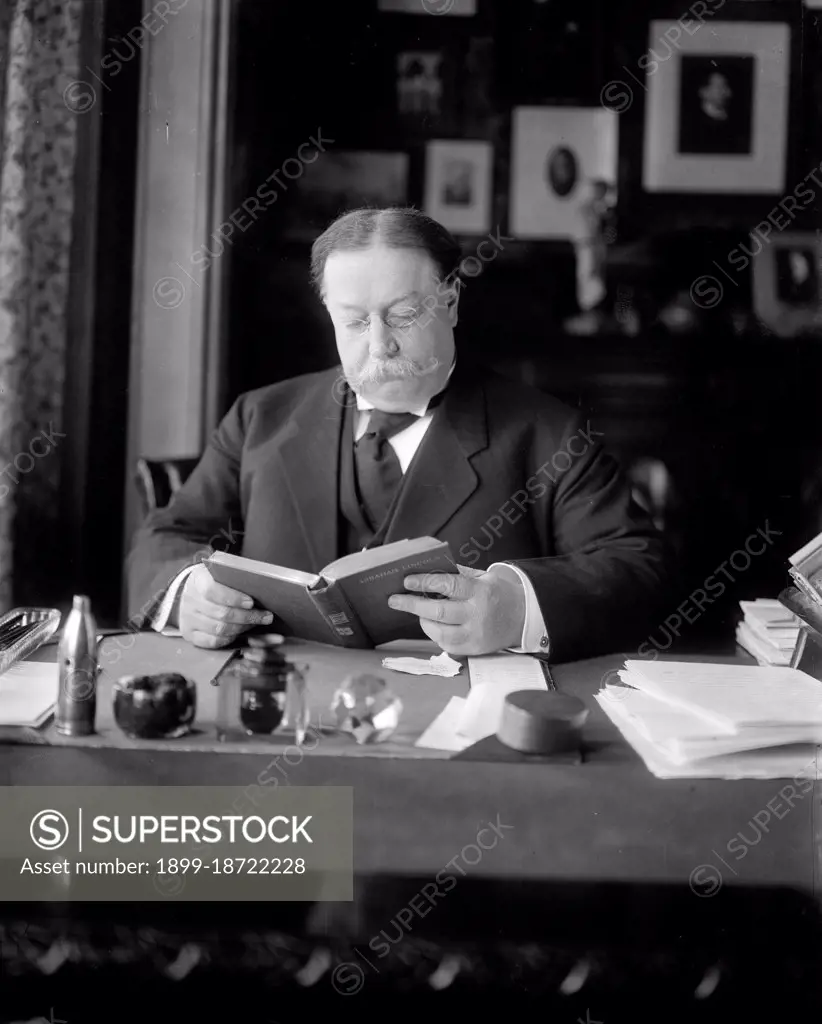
39,61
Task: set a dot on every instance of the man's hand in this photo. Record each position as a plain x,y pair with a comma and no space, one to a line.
483,611
212,615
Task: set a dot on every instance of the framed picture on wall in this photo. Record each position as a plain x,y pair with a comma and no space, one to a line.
342,181
455,8
427,95
458,185
557,154
787,283
716,112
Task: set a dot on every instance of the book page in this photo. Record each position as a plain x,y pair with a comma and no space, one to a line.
279,572
385,554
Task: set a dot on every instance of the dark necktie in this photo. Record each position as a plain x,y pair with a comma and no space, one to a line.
378,469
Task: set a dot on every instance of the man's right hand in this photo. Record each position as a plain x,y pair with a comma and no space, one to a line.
212,615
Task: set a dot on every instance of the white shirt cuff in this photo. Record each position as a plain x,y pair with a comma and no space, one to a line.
535,638
160,620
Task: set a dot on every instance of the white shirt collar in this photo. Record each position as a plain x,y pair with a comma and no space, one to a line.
365,406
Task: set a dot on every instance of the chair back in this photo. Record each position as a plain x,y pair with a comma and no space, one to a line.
158,479
652,488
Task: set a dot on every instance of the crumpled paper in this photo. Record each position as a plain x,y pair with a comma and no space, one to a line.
437,665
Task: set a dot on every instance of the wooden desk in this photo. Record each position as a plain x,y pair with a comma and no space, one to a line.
600,857
608,819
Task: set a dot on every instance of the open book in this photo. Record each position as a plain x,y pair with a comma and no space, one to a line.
347,602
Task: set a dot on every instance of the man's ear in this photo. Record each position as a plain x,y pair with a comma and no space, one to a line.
452,302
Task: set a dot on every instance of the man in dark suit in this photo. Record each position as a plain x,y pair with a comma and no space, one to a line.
554,556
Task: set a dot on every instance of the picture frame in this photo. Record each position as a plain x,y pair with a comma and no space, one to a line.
557,154
717,107
427,94
787,283
452,8
458,184
343,180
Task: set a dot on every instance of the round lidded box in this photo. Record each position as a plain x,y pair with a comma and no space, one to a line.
539,722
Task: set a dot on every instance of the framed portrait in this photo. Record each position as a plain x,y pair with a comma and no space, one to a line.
419,83
426,93
716,112
458,185
342,181
455,8
557,156
787,282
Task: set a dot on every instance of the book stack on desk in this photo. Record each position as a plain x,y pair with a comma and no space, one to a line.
768,631
698,720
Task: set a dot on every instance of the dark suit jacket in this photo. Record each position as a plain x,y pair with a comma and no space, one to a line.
504,473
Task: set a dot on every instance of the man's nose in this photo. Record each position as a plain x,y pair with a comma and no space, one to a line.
381,339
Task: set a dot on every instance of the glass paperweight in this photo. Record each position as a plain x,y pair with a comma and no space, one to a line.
155,707
262,693
364,707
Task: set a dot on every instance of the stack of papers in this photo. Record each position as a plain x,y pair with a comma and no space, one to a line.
695,720
768,631
466,720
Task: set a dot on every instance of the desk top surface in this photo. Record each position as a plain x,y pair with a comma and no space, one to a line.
606,820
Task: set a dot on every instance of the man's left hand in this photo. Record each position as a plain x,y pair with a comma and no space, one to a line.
482,612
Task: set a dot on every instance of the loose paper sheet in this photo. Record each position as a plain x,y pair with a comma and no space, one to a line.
28,692
493,677
442,734
439,665
792,762
731,697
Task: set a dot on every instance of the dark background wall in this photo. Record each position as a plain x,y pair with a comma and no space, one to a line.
731,410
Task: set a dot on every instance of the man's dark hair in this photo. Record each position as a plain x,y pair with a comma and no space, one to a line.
397,227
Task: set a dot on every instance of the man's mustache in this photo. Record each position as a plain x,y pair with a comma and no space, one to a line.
378,371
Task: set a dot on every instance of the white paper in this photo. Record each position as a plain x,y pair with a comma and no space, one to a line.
437,665
732,697
765,653
28,691
778,763
681,738
442,734
493,677
769,612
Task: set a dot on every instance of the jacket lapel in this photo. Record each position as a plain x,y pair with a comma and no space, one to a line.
440,478
311,463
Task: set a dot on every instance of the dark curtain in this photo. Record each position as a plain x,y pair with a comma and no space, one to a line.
39,109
